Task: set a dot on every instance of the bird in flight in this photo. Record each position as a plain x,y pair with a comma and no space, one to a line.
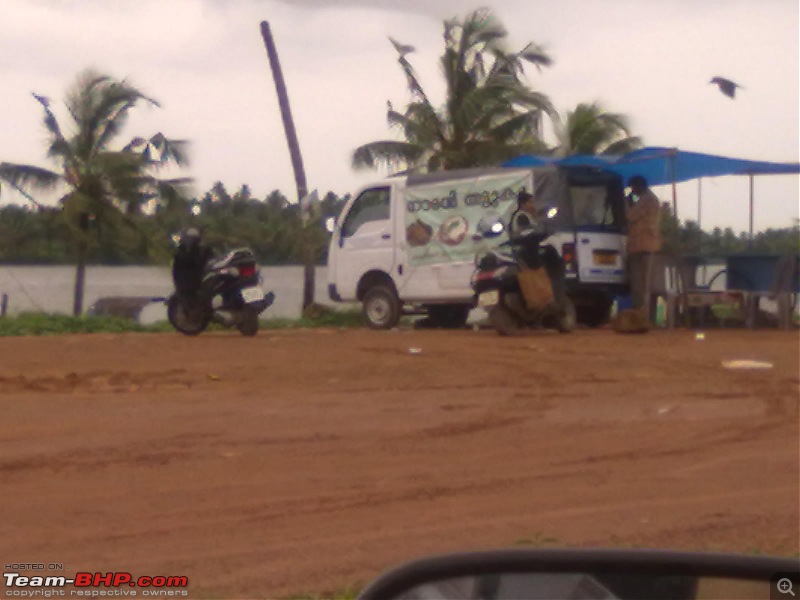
402,49
726,86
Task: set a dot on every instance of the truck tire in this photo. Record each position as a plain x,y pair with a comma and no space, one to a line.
381,307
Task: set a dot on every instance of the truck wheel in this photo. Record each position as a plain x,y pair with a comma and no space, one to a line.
504,321
448,316
381,307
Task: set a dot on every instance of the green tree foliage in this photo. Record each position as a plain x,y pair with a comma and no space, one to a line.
104,189
489,114
687,238
590,129
271,227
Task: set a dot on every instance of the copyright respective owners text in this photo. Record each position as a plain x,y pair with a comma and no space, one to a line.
56,579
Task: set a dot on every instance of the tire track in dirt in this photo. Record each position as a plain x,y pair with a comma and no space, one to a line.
315,461
98,382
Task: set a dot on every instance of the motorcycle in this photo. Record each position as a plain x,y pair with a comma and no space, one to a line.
223,289
521,283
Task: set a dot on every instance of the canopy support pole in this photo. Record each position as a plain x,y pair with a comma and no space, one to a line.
672,154
751,208
700,203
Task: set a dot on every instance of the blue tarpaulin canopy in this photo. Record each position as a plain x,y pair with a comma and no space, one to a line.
665,166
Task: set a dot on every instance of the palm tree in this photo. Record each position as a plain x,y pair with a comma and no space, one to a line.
103,186
589,129
489,115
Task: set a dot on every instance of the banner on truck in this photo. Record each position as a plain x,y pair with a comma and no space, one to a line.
442,218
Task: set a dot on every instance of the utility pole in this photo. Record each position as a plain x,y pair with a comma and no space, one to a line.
294,152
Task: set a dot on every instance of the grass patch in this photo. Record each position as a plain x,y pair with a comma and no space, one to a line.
54,324
334,318
57,324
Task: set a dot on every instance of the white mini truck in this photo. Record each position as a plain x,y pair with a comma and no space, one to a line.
407,245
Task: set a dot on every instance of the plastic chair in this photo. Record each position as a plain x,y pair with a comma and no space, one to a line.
783,291
664,280
771,276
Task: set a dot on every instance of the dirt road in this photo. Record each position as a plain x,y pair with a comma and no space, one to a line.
309,461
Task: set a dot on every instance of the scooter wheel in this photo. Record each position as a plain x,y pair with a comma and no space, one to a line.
186,320
568,321
504,321
248,323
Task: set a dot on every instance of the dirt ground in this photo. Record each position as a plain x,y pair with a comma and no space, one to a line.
309,461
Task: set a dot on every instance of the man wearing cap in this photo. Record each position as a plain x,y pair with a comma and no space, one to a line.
644,237
524,217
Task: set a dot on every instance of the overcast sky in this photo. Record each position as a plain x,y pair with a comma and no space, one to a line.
205,62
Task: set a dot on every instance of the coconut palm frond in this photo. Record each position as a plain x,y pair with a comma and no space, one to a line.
519,125
170,151
12,182
136,145
536,55
28,177
402,49
623,146
414,86
421,124
487,103
100,107
589,129
385,152
50,121
60,148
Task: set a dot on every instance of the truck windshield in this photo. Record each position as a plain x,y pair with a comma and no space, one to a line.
371,205
593,207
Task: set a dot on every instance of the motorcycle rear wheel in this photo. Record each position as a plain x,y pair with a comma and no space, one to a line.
186,320
247,324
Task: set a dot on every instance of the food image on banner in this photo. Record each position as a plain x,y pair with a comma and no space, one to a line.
454,230
442,217
418,233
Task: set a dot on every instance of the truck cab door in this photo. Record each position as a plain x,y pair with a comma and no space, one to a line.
364,240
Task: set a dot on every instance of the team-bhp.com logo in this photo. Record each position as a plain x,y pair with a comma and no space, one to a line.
94,585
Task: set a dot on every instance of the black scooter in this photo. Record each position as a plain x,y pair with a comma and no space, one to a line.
224,290
499,272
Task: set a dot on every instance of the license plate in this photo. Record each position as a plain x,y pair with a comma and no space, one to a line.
490,298
252,294
605,258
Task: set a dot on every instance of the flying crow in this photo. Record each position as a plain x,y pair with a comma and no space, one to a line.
726,86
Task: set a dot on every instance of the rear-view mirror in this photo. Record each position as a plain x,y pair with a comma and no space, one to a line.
589,574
